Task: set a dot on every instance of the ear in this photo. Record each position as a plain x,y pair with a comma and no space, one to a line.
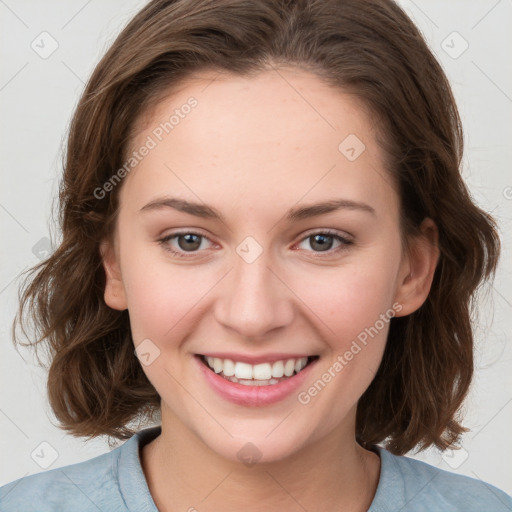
417,269
114,289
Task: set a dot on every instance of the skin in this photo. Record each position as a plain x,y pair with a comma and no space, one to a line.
253,148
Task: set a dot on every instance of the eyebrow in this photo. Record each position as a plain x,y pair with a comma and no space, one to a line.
298,213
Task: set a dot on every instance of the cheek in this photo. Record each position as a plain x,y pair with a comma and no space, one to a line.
156,294
341,301
355,306
164,299
159,301
347,301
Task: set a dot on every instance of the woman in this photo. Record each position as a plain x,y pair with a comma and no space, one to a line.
266,239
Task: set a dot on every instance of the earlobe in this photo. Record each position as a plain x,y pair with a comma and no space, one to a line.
114,289
418,268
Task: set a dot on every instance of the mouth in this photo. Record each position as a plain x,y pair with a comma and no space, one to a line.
268,373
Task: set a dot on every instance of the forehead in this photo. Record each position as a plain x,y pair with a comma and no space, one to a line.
281,135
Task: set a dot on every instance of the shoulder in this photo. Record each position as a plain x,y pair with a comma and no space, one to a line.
417,486
75,487
105,482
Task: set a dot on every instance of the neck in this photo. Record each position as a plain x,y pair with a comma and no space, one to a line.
334,473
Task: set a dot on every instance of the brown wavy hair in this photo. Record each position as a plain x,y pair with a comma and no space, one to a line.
369,48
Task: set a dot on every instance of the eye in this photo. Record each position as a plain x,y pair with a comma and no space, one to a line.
181,243
323,242
186,242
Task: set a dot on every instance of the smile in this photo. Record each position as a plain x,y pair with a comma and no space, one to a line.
259,384
263,374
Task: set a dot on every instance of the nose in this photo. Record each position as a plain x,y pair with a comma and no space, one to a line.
254,299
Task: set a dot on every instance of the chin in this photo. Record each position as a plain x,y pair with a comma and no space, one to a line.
256,449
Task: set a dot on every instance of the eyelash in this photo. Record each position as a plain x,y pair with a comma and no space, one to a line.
345,243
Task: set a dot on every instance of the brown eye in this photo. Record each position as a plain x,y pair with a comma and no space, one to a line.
179,244
321,242
189,241
326,242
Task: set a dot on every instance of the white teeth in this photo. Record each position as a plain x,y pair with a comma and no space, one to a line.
278,369
243,370
264,373
289,367
229,368
255,382
300,363
218,365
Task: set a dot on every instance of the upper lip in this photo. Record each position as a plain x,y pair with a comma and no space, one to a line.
262,358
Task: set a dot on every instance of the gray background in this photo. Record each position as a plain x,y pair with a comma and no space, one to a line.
38,93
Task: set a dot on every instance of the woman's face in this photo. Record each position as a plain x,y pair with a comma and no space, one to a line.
223,250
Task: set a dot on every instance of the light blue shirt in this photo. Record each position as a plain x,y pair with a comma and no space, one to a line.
115,482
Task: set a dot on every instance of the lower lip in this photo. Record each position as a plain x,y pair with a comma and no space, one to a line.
253,396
